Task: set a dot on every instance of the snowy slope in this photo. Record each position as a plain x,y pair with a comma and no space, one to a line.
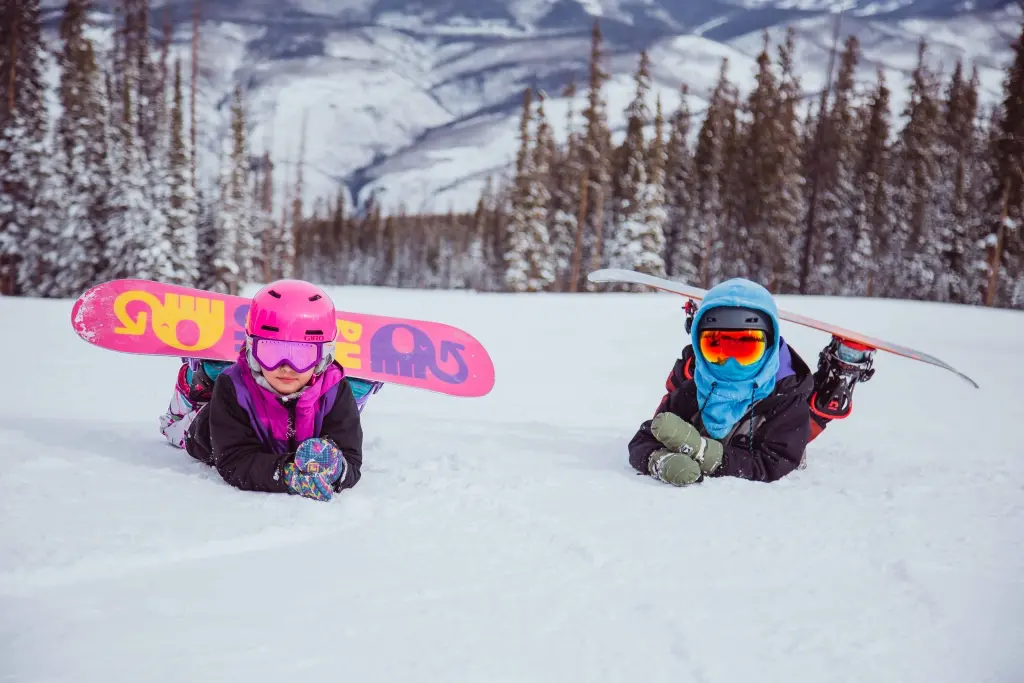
418,102
506,538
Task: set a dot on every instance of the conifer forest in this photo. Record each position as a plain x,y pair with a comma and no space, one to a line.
836,195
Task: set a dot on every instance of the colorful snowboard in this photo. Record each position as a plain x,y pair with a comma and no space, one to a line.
150,318
633,277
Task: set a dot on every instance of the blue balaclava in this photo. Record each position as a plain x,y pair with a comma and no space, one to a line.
725,392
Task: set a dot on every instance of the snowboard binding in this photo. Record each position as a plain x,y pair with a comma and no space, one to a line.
841,365
199,380
690,308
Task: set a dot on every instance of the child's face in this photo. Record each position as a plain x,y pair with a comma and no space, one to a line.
287,381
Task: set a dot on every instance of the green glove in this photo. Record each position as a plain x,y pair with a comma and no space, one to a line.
682,438
673,468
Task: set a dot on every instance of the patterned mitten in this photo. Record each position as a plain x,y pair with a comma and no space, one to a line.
320,457
313,486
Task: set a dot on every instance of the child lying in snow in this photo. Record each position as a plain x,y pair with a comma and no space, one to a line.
740,402
283,418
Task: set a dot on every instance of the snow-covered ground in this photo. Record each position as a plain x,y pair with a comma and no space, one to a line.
506,538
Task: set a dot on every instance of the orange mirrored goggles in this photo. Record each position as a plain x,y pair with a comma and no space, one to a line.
746,346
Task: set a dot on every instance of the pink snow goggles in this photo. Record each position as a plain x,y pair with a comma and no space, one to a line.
300,356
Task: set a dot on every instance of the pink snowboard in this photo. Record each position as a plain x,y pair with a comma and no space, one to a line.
150,318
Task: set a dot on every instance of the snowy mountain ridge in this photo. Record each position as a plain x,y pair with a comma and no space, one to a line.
417,103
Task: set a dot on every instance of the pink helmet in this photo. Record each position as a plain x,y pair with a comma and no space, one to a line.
292,310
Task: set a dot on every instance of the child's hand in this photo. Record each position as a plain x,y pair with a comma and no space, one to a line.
675,433
686,456
320,457
673,468
313,486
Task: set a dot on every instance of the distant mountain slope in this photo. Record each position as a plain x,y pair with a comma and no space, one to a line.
417,101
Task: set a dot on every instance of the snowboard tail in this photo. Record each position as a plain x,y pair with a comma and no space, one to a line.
696,293
155,319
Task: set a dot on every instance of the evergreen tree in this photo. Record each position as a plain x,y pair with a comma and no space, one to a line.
182,215
637,239
870,220
238,259
567,173
1005,238
478,274
714,166
748,252
206,237
138,245
23,149
528,262
787,203
959,147
829,227
594,154
80,158
683,246
911,256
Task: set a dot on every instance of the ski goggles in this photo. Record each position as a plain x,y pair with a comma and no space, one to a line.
300,356
746,347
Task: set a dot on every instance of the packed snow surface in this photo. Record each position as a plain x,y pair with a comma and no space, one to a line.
506,538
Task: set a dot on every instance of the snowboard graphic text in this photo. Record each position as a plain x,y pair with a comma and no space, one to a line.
139,316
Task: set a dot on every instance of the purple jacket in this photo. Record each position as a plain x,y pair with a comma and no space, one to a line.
270,417
248,433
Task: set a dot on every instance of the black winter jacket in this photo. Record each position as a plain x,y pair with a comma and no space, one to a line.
781,425
222,436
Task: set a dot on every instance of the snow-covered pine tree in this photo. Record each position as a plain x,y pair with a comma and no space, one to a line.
23,146
544,150
206,234
566,175
332,233
958,149
871,217
150,90
80,157
155,137
1005,239
528,260
684,243
475,265
137,242
911,257
595,154
787,200
636,239
652,201
226,270
183,210
278,236
748,249
829,228
982,190
239,199
713,166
